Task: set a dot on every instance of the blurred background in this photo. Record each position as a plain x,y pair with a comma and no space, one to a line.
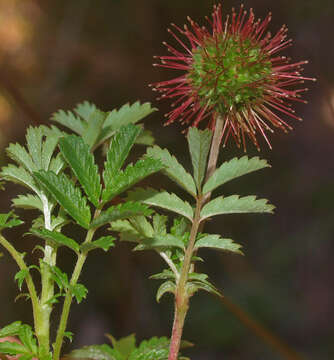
54,54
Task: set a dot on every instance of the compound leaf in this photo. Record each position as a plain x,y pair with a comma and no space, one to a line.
69,120
79,291
93,127
28,201
217,242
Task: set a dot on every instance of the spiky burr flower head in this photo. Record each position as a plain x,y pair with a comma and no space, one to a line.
233,70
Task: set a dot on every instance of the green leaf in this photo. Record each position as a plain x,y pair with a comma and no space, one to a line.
232,169
68,196
124,345
199,282
160,224
20,155
94,126
121,211
85,110
199,142
9,220
11,329
20,176
95,352
131,176
173,169
69,120
69,335
120,147
81,161
162,199
28,201
57,238
180,226
217,242
34,143
166,287
79,291
166,274
58,276
160,242
12,348
127,232
142,226
145,138
104,243
20,277
128,114
235,205
27,338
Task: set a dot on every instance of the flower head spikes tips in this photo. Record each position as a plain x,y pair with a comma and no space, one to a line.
233,71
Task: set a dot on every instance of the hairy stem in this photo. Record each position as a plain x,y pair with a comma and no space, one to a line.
69,296
29,281
181,296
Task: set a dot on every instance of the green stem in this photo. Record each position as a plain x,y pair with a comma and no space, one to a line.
29,281
181,296
68,298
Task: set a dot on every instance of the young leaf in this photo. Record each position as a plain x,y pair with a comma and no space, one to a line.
217,242
131,176
120,147
199,145
163,200
69,120
27,338
166,274
20,277
166,287
68,196
85,110
59,276
160,224
57,238
235,205
11,329
13,348
9,220
93,128
104,243
200,282
128,114
124,345
173,169
81,161
95,352
79,291
28,201
232,169
121,211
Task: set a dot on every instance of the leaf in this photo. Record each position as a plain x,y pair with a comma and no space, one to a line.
27,338
235,205
120,147
128,114
127,232
124,345
85,110
162,199
79,291
68,196
81,161
57,238
199,282
160,224
9,220
180,226
59,276
69,120
93,128
131,176
20,155
142,226
20,176
232,169
217,242
28,201
95,352
11,329
166,274
145,138
69,335
20,277
160,242
166,287
173,169
12,348
121,211
104,243
199,142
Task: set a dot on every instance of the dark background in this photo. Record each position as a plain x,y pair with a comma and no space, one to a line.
54,54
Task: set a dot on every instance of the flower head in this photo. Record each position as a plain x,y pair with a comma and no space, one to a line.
232,70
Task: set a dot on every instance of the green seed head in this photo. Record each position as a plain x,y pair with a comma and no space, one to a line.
229,73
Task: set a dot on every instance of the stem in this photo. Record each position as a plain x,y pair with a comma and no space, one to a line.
181,296
68,297
29,281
